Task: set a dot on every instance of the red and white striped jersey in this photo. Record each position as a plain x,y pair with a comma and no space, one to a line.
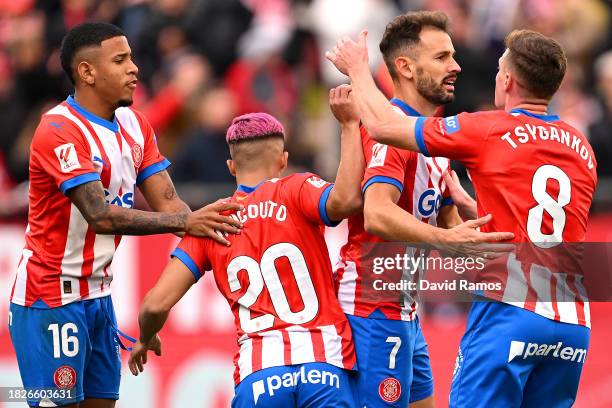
64,260
277,277
536,175
423,193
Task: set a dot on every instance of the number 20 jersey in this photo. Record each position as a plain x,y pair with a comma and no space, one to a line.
536,175
277,277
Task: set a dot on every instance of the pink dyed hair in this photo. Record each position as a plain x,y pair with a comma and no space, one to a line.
253,126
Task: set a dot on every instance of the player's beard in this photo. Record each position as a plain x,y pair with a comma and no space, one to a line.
432,91
124,102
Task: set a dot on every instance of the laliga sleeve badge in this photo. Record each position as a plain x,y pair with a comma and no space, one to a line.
390,389
137,154
65,377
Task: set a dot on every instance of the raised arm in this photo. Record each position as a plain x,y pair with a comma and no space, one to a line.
383,124
345,198
105,218
175,281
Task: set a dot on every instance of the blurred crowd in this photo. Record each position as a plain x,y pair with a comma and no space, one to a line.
202,62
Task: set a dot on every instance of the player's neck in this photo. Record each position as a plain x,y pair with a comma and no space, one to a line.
253,178
533,105
412,97
94,104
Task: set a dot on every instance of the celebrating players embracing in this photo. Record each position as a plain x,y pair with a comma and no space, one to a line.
536,175
295,343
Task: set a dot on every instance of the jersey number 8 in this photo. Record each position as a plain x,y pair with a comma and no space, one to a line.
548,204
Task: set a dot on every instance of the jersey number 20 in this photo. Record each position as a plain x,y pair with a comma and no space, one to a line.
548,204
265,273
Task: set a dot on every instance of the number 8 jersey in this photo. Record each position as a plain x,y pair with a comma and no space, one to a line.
277,277
536,175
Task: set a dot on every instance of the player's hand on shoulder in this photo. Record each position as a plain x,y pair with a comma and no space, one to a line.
466,240
138,356
210,222
343,106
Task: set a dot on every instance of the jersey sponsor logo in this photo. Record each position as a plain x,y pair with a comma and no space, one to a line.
123,200
520,349
65,377
273,383
67,156
137,154
429,202
379,154
451,125
390,389
316,181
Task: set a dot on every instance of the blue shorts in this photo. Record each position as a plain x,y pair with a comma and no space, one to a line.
309,385
511,357
393,361
74,346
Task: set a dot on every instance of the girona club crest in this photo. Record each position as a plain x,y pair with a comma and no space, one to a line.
65,377
390,389
137,154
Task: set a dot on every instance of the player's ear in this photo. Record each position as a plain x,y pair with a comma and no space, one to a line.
284,161
508,82
231,166
85,71
405,67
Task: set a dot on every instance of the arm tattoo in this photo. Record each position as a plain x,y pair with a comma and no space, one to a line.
112,219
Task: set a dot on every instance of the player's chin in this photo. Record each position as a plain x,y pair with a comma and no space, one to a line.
127,101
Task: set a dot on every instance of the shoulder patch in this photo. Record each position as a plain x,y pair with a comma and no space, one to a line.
316,181
68,158
379,154
451,125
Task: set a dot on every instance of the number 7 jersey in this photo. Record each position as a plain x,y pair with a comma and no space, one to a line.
277,277
536,175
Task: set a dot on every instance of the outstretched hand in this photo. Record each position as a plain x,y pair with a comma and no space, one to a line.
466,240
208,221
348,54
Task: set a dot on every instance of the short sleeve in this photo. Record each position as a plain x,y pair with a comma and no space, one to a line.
310,193
152,160
60,150
458,137
192,252
387,165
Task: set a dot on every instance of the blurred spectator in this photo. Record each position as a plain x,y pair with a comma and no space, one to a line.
268,55
601,131
202,156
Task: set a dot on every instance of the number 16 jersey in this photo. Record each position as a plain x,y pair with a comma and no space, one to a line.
277,277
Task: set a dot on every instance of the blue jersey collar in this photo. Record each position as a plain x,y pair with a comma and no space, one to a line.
247,189
112,126
407,109
545,118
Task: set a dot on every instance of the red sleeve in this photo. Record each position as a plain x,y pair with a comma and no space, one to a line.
152,160
310,193
60,150
387,165
192,251
458,137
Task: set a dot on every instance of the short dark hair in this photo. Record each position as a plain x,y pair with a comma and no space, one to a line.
538,61
82,36
403,32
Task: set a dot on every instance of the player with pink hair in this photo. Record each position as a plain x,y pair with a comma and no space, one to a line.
295,343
